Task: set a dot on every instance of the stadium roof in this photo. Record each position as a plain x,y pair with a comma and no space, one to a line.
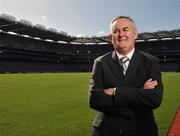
9,23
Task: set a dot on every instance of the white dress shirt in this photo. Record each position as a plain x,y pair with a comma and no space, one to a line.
129,55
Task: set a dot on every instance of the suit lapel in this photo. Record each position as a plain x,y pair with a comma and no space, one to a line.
115,67
133,66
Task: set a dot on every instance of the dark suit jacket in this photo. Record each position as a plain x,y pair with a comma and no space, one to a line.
130,111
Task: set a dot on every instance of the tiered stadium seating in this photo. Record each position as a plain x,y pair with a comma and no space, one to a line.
28,48
22,54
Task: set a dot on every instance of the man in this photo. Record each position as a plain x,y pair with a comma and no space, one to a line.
126,86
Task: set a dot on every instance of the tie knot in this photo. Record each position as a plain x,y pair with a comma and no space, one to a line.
124,59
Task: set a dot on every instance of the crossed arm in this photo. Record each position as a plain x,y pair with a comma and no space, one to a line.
105,100
149,84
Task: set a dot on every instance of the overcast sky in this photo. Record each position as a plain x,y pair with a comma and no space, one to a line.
92,17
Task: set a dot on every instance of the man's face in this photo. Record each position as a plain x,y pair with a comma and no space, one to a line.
123,35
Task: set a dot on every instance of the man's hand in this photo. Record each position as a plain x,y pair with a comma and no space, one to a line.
150,84
109,91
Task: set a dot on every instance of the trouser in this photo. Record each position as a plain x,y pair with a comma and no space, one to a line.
105,132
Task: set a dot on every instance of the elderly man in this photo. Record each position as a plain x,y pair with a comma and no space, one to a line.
126,86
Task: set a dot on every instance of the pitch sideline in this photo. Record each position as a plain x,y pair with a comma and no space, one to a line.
175,126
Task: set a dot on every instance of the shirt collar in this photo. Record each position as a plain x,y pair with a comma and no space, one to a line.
129,55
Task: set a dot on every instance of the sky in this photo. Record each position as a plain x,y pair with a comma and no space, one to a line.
92,17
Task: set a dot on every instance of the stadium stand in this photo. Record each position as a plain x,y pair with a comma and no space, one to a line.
34,48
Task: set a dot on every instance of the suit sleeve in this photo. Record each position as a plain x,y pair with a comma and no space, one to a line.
100,101
139,97
97,96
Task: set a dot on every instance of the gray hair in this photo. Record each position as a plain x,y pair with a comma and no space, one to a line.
122,17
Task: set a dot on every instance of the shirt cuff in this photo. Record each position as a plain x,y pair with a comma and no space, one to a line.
114,91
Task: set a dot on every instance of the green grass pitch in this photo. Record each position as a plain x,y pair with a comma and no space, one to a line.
56,104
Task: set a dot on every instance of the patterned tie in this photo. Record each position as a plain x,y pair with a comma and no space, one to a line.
123,62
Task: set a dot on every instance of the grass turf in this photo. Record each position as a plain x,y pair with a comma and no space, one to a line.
171,101
56,104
